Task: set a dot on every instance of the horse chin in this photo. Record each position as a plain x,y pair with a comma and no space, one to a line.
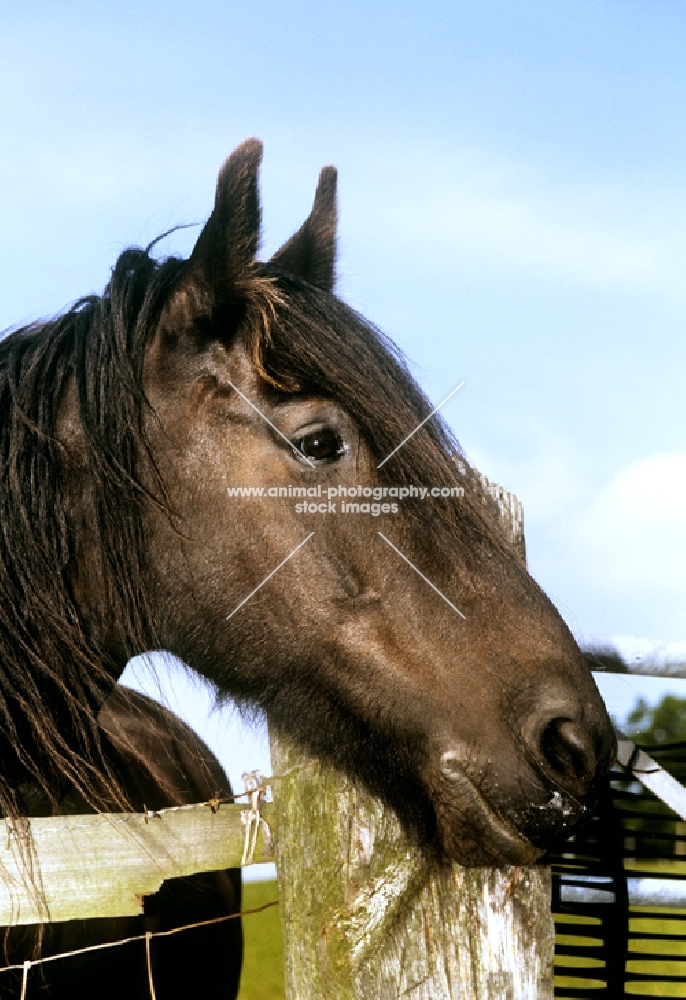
481,836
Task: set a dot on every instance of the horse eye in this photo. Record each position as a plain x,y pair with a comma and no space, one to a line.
320,446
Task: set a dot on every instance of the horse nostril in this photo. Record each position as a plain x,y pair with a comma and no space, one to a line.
570,750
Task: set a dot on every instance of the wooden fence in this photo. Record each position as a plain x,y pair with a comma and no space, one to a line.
102,865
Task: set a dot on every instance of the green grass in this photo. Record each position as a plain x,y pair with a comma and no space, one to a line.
262,977
671,950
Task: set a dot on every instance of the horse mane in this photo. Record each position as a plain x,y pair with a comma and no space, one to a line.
54,675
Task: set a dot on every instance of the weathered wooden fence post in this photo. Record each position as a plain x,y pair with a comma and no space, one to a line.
365,915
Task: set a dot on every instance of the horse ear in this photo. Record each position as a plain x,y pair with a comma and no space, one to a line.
227,245
311,252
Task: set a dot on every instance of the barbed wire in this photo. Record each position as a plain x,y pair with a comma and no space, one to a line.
261,785
146,936
256,785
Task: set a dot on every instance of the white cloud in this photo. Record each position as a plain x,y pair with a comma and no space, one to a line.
546,474
612,557
517,233
482,211
633,533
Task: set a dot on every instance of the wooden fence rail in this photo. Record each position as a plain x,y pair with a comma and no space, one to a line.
77,867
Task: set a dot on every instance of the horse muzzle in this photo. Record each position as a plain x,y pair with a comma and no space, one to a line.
508,808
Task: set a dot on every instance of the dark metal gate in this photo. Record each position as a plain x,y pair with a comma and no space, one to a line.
619,894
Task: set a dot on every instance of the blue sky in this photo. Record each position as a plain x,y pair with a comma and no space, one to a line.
513,213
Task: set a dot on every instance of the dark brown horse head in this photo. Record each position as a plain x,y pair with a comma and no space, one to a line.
404,641
398,636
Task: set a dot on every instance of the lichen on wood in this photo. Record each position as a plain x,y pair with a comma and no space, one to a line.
367,915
